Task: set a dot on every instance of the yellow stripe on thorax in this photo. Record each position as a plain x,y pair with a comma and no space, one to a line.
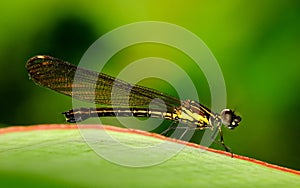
191,116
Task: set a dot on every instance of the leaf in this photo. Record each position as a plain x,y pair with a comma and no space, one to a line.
57,156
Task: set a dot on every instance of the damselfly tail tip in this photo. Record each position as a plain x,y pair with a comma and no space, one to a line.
69,117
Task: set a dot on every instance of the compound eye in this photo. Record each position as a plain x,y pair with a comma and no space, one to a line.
227,117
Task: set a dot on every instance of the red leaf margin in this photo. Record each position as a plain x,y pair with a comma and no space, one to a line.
140,132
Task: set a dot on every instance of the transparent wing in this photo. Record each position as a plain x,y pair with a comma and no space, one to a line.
91,86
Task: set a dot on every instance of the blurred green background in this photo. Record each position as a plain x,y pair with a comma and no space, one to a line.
256,44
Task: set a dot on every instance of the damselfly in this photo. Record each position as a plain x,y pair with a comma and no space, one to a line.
97,88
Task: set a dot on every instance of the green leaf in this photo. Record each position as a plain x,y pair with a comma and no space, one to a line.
57,156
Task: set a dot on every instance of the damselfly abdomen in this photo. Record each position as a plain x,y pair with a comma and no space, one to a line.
97,88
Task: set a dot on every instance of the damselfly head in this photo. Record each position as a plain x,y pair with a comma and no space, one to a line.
229,119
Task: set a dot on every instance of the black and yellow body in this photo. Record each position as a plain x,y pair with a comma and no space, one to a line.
128,100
